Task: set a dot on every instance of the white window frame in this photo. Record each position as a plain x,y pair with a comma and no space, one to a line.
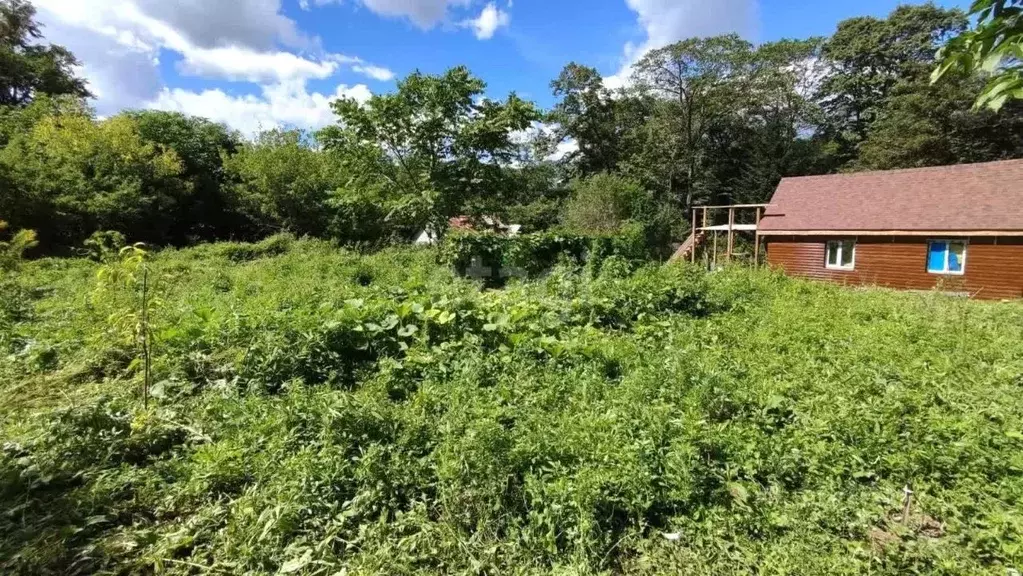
948,241
838,253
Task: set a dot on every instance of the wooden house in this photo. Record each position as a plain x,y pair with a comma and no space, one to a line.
955,228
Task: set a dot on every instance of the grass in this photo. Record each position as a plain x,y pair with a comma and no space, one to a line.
318,411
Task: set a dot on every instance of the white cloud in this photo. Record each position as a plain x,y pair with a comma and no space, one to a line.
281,105
256,24
423,13
375,72
489,20
234,63
668,21
119,43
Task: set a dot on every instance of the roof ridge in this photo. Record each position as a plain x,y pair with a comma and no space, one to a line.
943,167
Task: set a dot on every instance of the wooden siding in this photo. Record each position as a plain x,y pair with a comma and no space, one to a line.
994,266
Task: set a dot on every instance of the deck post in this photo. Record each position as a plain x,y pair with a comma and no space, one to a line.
714,260
692,248
731,222
756,242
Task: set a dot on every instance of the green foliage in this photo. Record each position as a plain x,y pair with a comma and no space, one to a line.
73,175
934,125
283,183
29,68
12,250
103,246
870,56
318,411
603,203
128,284
537,253
201,145
436,143
994,46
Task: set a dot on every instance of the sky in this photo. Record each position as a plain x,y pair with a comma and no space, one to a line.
260,64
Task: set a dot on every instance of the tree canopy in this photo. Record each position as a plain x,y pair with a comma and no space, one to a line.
701,121
27,67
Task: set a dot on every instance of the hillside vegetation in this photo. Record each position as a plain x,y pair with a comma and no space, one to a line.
317,411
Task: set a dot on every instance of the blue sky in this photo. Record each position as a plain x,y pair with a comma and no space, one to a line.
256,64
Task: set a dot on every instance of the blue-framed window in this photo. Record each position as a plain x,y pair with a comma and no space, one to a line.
946,256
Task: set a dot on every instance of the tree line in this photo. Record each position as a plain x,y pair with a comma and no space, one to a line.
706,120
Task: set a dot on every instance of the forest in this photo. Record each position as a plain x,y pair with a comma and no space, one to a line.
703,121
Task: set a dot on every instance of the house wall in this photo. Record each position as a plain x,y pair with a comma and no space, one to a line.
993,266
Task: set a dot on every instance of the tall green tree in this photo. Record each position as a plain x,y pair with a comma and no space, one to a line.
29,68
592,116
696,84
282,182
931,125
436,141
867,57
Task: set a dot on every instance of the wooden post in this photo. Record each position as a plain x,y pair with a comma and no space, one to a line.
693,233
756,242
704,216
731,222
714,260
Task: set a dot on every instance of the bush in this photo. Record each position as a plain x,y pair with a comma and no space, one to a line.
531,255
244,252
604,203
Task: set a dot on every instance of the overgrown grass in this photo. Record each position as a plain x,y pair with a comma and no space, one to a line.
323,412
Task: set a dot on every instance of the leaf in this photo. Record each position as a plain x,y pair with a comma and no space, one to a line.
296,564
407,330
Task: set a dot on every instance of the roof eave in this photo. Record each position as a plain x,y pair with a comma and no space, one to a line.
763,232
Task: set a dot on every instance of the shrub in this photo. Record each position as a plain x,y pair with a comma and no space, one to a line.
534,254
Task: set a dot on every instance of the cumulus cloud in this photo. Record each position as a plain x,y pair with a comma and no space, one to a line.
375,72
283,105
256,24
668,21
489,20
423,13
126,23
120,42
427,14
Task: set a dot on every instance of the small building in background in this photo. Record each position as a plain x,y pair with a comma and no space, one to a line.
955,228
429,237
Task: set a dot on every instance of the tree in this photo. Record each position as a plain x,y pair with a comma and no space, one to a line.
696,83
71,176
995,46
602,203
283,183
868,57
593,117
932,125
436,142
27,68
201,145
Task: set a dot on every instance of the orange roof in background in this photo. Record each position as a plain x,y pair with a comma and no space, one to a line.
985,196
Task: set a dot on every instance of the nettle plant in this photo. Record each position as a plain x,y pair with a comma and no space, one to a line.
128,282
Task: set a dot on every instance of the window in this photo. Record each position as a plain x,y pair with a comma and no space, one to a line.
946,256
841,254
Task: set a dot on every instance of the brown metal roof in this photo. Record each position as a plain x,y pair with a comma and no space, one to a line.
964,197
